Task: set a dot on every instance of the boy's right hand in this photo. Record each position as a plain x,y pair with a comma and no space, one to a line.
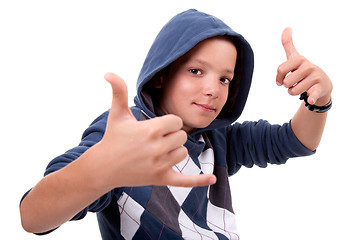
136,153
131,153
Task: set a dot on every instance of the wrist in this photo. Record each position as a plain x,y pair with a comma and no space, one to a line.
321,106
323,101
94,170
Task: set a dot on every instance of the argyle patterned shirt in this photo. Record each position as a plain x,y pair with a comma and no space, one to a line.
166,212
178,212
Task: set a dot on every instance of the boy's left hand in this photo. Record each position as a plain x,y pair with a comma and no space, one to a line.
299,75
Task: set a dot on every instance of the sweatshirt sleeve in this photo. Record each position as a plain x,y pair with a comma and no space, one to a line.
261,143
91,136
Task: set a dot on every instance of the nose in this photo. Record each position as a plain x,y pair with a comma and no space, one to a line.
211,87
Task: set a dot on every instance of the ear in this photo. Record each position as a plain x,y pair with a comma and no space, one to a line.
158,82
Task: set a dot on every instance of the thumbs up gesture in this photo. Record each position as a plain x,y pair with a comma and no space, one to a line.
299,75
136,153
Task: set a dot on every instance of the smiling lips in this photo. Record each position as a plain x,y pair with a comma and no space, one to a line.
205,108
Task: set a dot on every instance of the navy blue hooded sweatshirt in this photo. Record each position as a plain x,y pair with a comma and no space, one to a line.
165,212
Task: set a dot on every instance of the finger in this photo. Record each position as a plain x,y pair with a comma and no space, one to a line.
181,180
287,42
299,88
296,76
173,141
287,67
119,105
166,124
174,157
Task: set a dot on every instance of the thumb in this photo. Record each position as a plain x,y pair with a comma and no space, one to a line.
119,105
314,95
287,42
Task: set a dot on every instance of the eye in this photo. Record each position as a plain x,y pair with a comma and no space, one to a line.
195,71
225,80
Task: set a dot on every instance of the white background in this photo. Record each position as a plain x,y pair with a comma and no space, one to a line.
53,55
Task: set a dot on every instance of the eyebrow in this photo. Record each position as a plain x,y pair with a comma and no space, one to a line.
209,65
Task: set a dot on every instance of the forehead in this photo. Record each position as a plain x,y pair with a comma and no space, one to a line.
220,50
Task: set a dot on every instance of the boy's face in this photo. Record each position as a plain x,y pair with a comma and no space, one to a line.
197,85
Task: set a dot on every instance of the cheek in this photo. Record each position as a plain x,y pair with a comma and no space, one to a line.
185,85
182,88
224,97
175,96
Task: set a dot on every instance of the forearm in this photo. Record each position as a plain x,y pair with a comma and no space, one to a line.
59,196
309,126
299,75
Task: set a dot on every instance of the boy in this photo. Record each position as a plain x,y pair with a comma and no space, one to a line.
192,88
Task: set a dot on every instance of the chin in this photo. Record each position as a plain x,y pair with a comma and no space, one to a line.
203,124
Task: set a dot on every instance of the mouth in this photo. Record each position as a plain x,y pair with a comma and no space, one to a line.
205,107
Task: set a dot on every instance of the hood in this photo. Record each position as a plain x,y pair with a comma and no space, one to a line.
176,38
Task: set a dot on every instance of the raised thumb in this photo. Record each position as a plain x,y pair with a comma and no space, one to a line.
287,42
119,105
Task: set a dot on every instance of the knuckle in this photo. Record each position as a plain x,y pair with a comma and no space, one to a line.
156,150
280,69
181,152
183,136
178,154
292,92
158,170
310,67
302,58
286,83
153,131
176,120
317,78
